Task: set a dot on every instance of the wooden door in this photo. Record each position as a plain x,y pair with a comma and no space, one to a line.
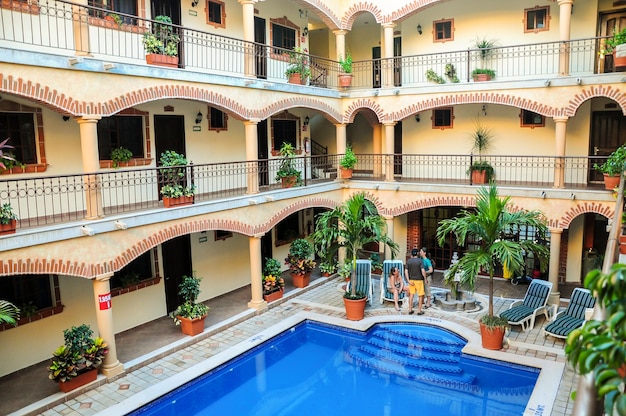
397,148
172,9
376,68
609,23
169,134
176,256
608,132
397,62
263,153
260,48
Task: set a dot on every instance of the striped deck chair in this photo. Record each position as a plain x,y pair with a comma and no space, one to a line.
385,294
573,317
363,279
523,312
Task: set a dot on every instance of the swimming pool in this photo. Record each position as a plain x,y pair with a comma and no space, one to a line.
316,368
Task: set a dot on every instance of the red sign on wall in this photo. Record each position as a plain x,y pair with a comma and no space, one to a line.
104,301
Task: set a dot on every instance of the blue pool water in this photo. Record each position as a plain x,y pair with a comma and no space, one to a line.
319,369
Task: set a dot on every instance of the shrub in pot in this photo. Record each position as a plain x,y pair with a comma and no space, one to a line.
299,262
613,167
287,173
120,155
347,163
190,314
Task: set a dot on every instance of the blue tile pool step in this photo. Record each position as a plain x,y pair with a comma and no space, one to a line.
415,356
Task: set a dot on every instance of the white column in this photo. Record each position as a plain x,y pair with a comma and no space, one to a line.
559,168
389,140
256,273
252,154
565,18
340,130
247,7
91,164
387,52
553,274
340,43
104,315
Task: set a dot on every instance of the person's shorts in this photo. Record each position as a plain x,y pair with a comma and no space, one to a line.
416,286
429,281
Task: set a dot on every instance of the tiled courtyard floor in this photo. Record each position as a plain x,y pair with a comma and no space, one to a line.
321,297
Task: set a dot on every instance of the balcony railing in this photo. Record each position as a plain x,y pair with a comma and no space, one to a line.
54,26
51,200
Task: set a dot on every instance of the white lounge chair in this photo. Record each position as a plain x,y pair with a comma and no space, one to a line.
523,312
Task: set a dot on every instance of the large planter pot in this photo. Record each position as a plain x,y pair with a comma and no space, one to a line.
479,176
492,338
162,60
482,77
611,181
176,202
345,80
273,296
355,309
289,181
295,78
346,173
192,326
619,61
78,381
301,280
8,228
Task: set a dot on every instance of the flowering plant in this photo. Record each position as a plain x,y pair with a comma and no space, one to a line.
299,265
272,284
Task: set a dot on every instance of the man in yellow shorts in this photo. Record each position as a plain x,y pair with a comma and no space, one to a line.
415,274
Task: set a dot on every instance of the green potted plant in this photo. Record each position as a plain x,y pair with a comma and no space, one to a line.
161,43
488,225
120,155
190,315
8,219
345,75
377,266
346,271
617,46
361,224
327,268
5,156
298,70
174,189
76,362
598,347
481,171
287,173
299,262
273,283
347,163
485,47
613,167
483,74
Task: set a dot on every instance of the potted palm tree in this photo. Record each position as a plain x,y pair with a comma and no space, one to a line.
347,163
161,43
360,224
287,172
190,315
488,225
613,167
481,171
345,75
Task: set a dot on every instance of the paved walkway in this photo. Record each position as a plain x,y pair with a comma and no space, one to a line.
167,352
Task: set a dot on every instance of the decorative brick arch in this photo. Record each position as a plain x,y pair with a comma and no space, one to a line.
587,93
583,208
324,13
362,7
357,105
333,115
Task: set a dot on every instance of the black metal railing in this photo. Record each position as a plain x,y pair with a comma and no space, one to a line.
59,199
57,25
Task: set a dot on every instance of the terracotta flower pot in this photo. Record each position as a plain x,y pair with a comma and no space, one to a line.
78,381
611,181
162,60
492,338
288,181
355,309
479,176
192,326
8,228
301,280
273,296
345,80
346,173
176,202
295,78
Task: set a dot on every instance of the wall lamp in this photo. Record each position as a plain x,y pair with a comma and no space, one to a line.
194,3
303,13
120,225
66,118
419,29
484,109
376,92
199,118
306,120
417,118
305,31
